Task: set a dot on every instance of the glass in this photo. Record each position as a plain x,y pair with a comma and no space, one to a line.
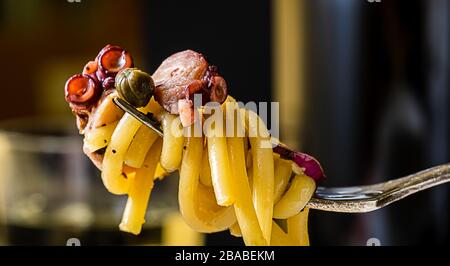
50,191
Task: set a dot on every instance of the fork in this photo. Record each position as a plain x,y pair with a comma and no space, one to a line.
356,199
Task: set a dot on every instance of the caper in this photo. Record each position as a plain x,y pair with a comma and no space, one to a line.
134,86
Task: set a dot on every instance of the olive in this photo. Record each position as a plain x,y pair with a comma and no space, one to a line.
134,86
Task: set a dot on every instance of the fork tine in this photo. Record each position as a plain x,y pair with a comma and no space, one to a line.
141,117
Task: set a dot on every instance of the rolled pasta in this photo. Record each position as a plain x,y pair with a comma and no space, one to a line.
283,171
160,172
112,175
197,203
100,137
235,230
230,178
140,189
296,197
243,206
298,228
245,211
222,180
139,147
279,237
205,173
172,142
263,171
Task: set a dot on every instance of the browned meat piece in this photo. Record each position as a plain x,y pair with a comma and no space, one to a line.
181,76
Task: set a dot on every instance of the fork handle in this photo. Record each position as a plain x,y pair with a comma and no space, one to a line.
360,199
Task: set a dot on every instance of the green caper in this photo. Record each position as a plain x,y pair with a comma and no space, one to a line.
134,86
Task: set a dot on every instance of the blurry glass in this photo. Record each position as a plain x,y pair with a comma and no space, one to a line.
50,191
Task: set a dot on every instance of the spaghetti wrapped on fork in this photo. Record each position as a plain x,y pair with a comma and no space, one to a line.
238,182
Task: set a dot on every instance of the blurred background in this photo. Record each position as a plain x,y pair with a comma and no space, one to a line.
362,86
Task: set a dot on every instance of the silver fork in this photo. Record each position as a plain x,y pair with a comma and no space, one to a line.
357,199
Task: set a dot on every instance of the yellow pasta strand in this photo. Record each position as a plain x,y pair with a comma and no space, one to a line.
235,230
249,160
197,202
283,171
139,147
220,168
129,171
295,199
140,190
100,137
205,173
112,175
297,231
176,232
243,206
172,142
250,177
160,172
279,237
298,228
263,171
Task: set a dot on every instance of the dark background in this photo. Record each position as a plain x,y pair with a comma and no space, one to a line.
376,84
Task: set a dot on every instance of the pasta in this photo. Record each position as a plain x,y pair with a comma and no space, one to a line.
197,202
112,175
297,231
213,196
282,176
139,194
295,198
100,137
139,147
263,174
205,174
172,143
231,178
222,180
